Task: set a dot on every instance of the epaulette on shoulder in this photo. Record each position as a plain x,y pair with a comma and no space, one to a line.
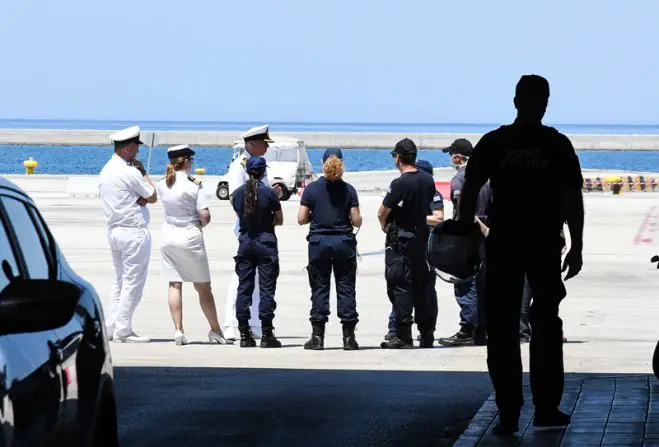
244,162
194,180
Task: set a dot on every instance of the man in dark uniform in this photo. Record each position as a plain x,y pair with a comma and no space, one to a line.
402,216
437,216
469,295
259,211
523,162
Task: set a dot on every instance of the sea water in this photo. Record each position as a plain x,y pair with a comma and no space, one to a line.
90,159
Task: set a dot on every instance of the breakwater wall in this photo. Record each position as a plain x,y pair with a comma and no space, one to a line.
365,140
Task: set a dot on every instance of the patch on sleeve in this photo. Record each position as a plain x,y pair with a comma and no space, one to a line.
437,198
400,204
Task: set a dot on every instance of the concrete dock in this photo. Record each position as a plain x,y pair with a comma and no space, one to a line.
364,140
224,395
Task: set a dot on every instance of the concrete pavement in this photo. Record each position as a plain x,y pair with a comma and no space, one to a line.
609,318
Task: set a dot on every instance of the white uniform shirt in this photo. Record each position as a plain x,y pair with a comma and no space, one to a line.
182,201
238,177
120,188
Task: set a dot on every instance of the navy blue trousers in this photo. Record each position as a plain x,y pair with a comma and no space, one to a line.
408,278
257,250
432,296
338,254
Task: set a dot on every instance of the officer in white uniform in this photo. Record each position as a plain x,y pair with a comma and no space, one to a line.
256,145
125,190
182,246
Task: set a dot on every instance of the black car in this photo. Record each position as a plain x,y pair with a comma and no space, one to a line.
56,377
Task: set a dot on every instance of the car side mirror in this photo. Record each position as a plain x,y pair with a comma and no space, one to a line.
36,305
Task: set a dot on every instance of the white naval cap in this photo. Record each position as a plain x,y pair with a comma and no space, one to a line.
128,135
257,133
179,151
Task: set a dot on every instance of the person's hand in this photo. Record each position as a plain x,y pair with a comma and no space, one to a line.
140,167
142,201
277,188
573,263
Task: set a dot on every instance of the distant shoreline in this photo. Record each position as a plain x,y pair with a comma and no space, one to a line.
344,140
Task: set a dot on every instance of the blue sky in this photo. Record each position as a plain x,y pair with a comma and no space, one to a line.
332,61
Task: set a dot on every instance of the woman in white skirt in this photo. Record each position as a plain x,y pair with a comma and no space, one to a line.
182,249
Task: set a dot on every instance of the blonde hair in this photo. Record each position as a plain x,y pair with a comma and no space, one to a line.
333,168
175,164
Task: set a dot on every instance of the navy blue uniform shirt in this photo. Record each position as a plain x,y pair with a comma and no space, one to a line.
262,218
484,196
330,204
527,168
410,197
437,202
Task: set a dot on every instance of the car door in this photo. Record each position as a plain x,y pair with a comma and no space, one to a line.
68,340
35,359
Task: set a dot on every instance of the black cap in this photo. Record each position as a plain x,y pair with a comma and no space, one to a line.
405,147
460,146
255,165
425,166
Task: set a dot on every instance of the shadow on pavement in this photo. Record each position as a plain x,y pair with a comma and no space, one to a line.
290,407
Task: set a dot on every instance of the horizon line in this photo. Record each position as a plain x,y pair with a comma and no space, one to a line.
354,123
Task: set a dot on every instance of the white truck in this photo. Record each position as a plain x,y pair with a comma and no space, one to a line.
288,166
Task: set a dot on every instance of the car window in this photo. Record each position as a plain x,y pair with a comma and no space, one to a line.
6,254
41,227
28,238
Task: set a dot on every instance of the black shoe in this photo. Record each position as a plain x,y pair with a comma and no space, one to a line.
427,340
402,339
246,337
397,343
390,335
349,340
268,339
458,339
551,418
505,428
317,340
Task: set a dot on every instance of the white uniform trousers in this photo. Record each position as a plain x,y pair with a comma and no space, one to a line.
131,250
230,319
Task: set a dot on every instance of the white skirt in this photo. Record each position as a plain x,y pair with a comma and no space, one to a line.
183,254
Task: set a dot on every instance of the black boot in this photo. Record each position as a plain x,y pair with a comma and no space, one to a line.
480,335
246,336
349,340
505,426
317,340
268,339
426,339
552,417
402,340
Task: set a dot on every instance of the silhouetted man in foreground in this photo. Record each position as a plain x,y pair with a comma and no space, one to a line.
536,183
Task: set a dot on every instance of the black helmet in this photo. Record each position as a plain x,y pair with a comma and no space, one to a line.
455,251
